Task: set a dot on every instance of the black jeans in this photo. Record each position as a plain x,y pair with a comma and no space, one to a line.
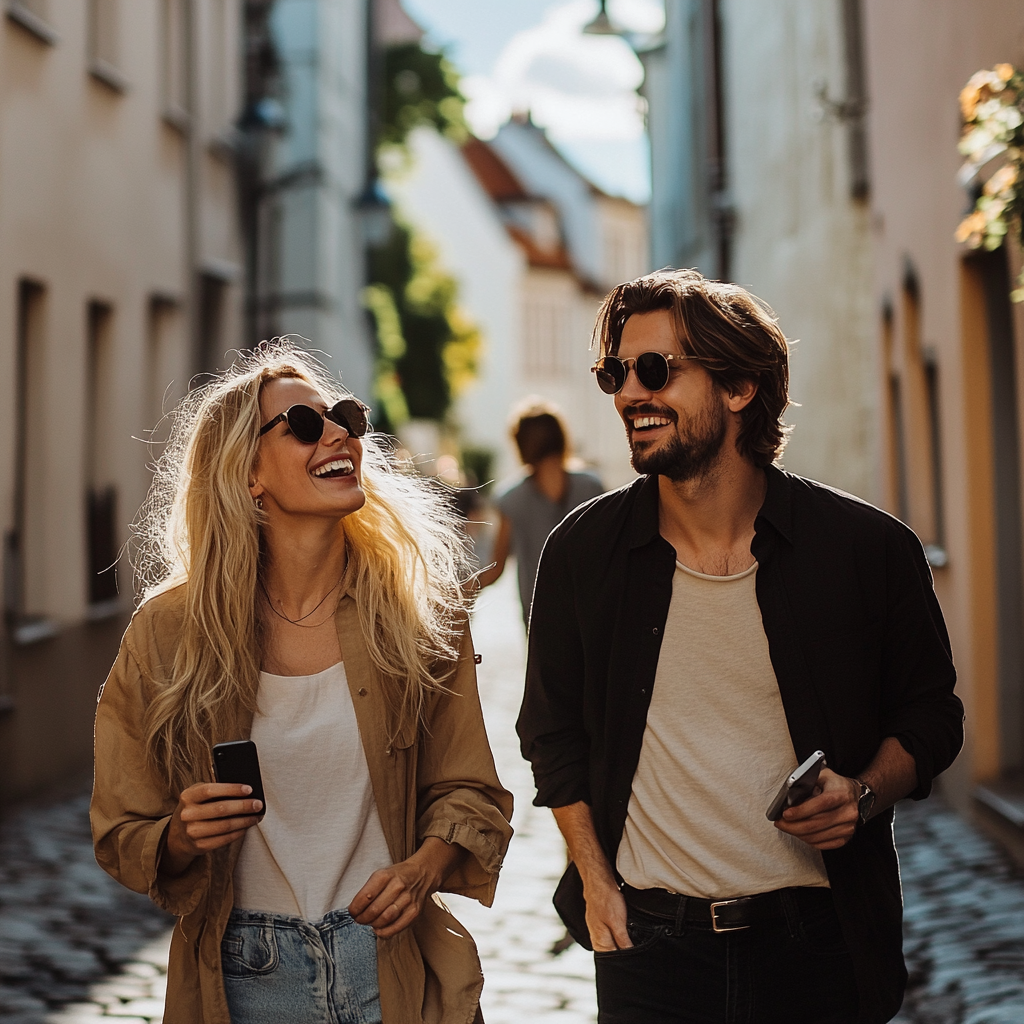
791,970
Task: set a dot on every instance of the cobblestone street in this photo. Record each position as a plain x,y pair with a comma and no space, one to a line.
75,946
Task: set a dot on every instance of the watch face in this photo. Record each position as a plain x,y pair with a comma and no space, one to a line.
865,804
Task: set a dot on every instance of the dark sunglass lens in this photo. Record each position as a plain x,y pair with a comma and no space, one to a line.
652,370
611,375
349,414
306,423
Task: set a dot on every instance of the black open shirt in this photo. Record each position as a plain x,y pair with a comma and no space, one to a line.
856,639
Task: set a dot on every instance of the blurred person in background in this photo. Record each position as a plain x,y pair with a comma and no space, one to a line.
302,592
531,509
694,637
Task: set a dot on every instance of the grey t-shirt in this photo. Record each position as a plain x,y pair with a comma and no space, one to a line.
533,516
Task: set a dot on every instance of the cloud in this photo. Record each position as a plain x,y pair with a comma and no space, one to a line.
579,87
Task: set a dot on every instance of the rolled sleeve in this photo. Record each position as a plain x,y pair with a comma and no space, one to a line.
130,811
919,706
459,796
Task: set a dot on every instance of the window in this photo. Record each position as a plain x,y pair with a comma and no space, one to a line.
222,66
167,364
34,17
937,550
897,443
105,43
25,577
174,62
547,337
101,492
212,294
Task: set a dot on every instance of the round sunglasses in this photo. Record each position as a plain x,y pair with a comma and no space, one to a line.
652,370
307,423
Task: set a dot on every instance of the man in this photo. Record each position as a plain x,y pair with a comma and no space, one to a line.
533,507
694,636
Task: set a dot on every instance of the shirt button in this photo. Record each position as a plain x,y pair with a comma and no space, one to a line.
361,691
655,631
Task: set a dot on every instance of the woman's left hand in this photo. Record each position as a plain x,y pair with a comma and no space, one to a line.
393,897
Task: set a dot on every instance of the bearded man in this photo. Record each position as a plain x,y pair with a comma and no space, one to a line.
695,636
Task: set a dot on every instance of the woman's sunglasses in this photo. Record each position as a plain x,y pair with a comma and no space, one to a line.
652,370
307,423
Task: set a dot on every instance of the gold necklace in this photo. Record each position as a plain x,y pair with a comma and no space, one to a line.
299,621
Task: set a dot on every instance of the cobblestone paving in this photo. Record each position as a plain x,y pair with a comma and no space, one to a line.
66,926
963,922
76,947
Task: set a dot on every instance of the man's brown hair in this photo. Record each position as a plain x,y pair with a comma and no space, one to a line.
734,335
538,431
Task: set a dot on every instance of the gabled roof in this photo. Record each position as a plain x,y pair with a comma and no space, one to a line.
494,175
548,259
500,183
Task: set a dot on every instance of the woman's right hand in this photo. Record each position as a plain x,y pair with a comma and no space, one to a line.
209,815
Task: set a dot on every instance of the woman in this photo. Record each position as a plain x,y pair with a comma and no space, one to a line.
301,591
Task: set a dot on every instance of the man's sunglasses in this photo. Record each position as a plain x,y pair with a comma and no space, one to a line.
652,370
307,423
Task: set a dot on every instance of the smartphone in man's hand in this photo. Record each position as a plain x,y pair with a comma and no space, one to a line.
798,787
237,762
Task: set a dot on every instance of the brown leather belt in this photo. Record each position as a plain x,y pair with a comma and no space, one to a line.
723,915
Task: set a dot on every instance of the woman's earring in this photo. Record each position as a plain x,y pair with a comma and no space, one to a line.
259,503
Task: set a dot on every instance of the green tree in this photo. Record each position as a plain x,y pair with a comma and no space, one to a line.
426,349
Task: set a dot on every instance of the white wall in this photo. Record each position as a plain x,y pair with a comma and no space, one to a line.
801,242
440,196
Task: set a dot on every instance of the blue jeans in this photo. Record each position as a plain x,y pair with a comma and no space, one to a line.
793,970
284,970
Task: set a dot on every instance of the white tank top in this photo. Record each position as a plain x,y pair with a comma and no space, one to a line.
321,837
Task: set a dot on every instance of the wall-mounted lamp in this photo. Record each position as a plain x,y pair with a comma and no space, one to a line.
374,211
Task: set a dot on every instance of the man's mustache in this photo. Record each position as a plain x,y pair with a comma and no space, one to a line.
631,412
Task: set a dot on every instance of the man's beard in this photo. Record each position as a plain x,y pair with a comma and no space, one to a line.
686,457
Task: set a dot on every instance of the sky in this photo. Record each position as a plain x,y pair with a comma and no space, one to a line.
533,55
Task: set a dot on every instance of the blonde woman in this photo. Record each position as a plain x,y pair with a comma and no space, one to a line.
302,593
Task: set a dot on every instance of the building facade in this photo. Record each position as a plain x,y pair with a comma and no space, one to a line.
315,185
951,372
535,247
759,177
120,265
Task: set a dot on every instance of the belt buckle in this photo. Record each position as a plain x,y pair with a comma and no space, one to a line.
714,917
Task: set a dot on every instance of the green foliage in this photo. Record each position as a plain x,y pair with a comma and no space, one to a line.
421,89
426,350
478,462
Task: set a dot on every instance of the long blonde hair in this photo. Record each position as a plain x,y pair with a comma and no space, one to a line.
407,558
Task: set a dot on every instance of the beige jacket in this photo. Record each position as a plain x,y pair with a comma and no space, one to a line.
438,780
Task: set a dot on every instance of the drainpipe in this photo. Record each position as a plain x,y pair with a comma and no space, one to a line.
193,156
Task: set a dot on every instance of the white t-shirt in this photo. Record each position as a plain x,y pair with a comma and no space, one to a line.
321,837
716,749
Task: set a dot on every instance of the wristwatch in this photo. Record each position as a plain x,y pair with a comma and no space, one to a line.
866,802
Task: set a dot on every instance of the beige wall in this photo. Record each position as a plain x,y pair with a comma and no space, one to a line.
920,54
801,242
95,198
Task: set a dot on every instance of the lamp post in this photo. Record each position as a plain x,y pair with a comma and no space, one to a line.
602,24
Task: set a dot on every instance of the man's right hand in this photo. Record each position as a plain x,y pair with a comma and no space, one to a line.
606,907
606,918
209,815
